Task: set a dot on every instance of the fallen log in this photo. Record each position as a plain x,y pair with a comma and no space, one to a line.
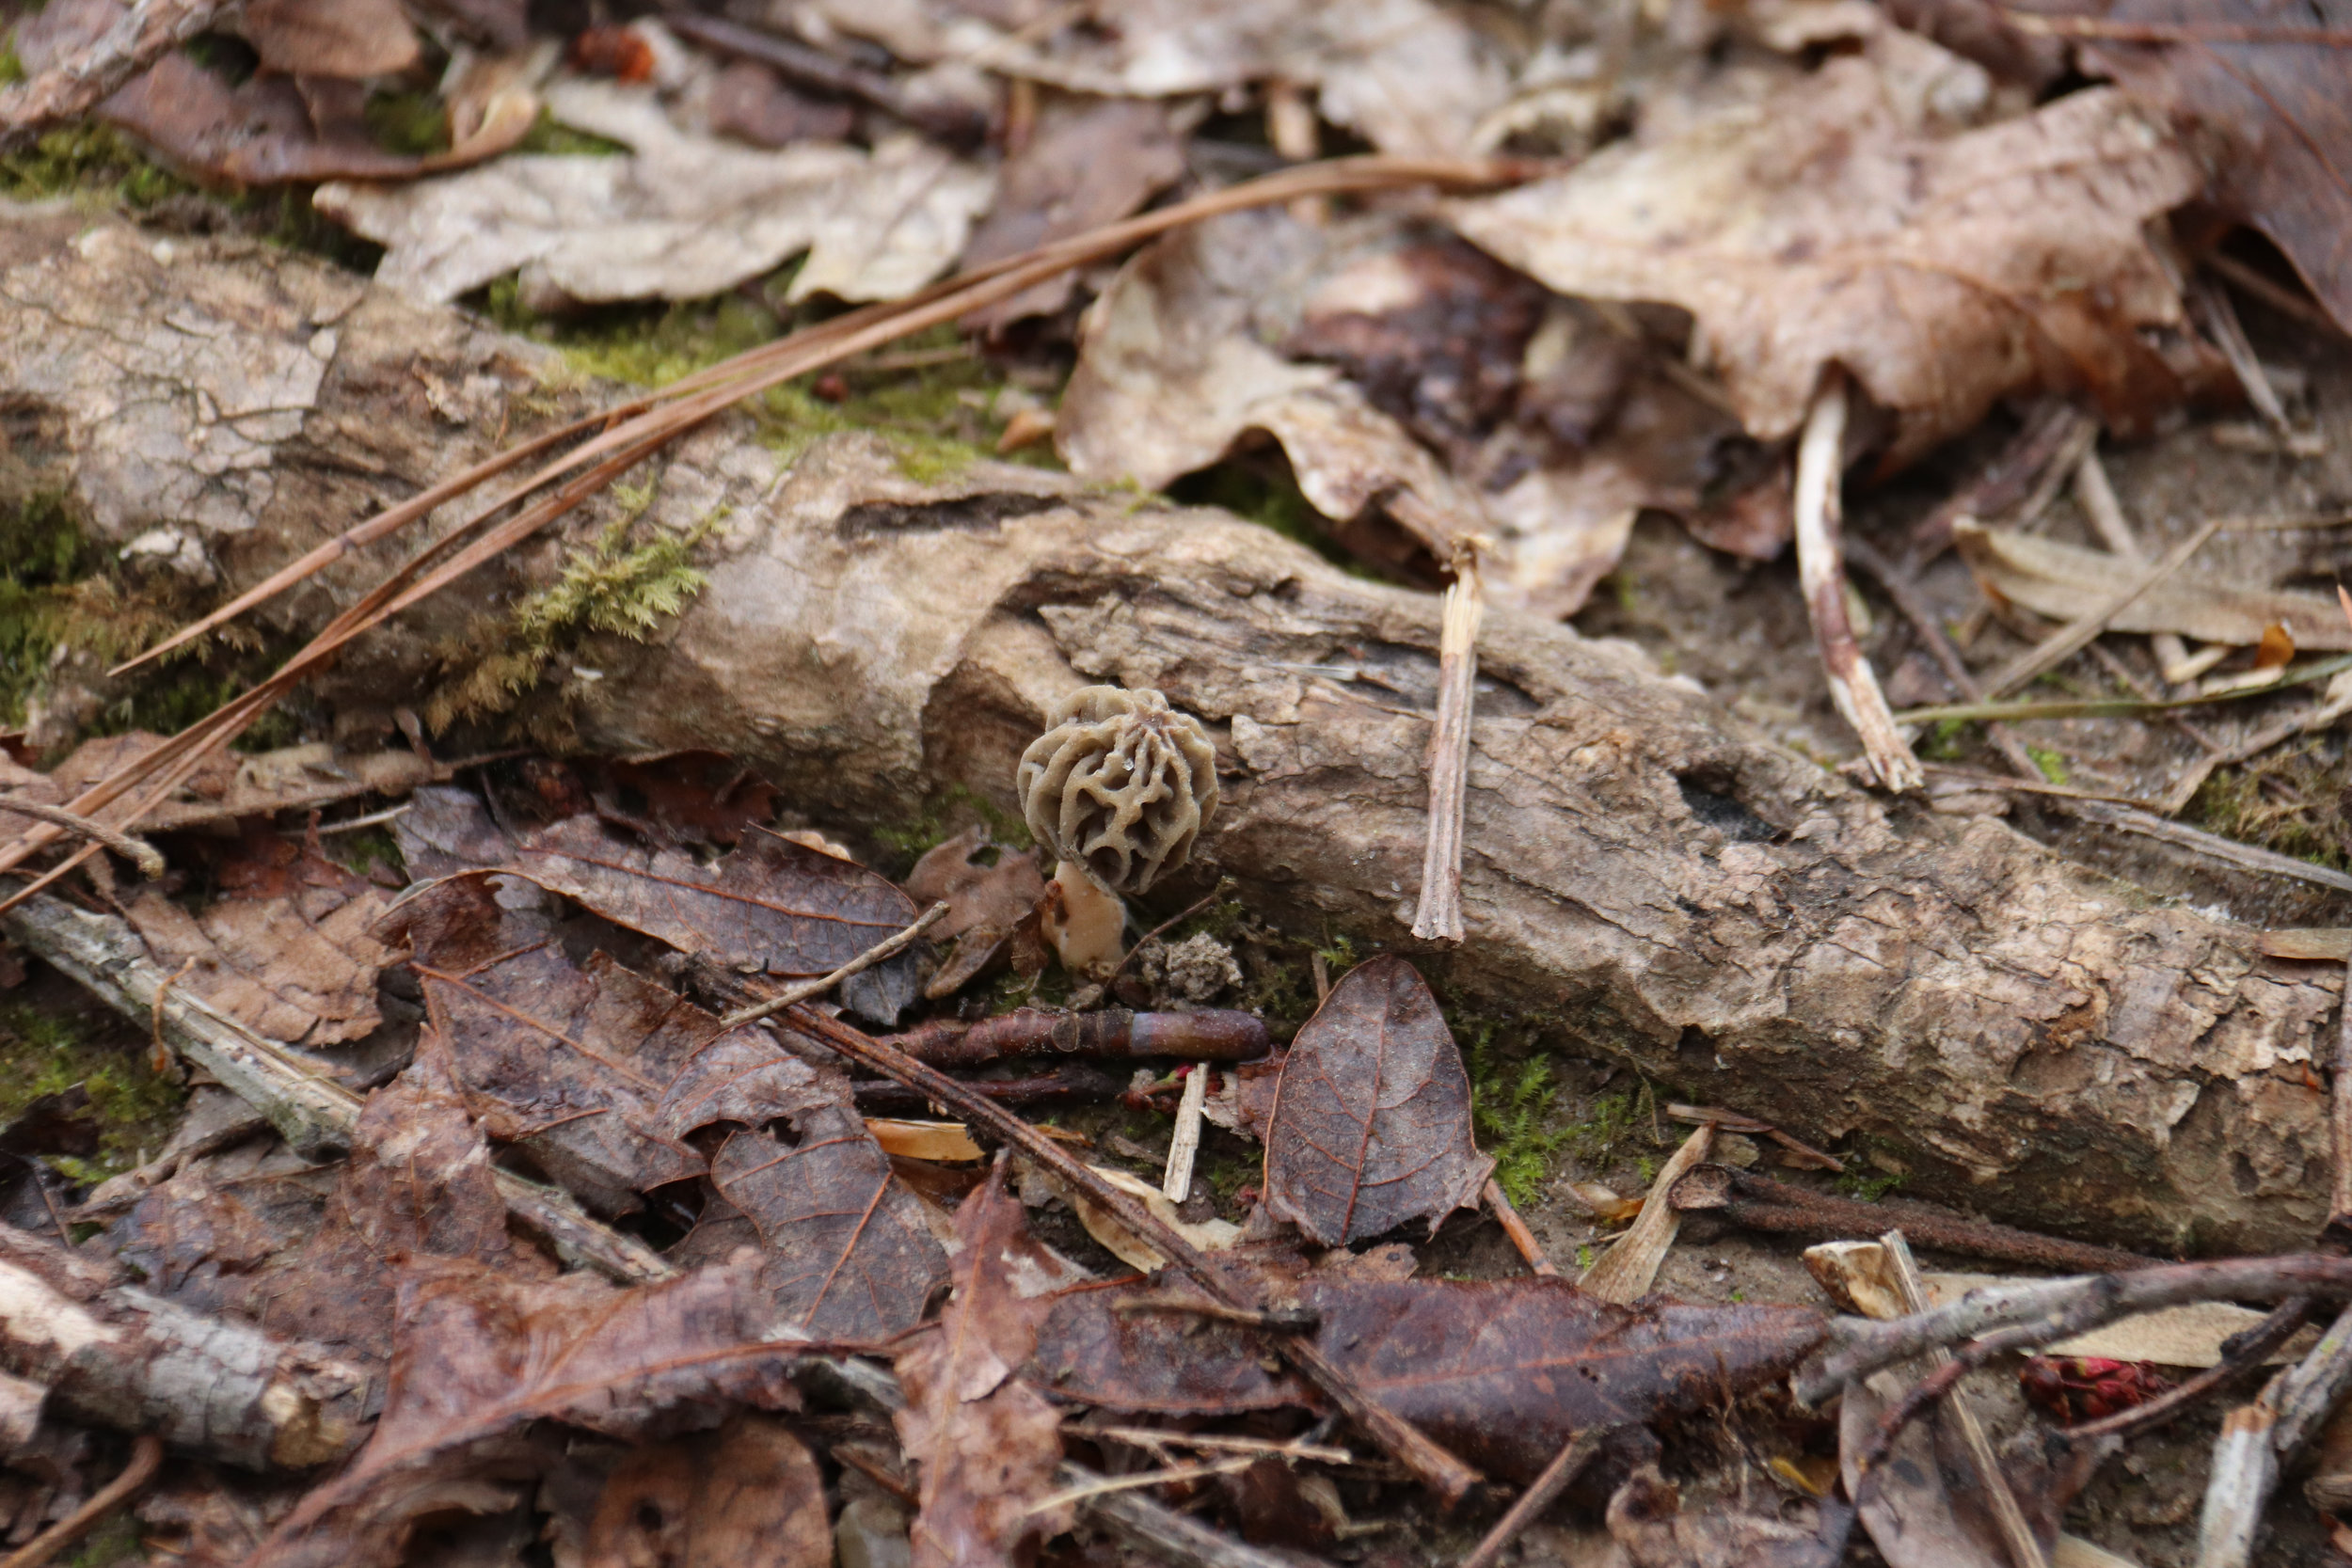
2024,1035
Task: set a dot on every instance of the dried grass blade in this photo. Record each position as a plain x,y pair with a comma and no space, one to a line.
2071,639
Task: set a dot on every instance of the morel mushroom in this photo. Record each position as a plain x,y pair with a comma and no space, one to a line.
1118,788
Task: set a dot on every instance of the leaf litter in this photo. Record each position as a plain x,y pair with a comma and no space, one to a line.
1746,203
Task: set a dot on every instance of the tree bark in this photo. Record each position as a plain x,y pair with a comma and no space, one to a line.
112,1353
1640,869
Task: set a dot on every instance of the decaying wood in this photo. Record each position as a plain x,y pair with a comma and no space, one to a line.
112,1353
2023,1034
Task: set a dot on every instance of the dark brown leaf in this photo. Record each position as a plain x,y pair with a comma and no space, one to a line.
1371,1118
2270,119
987,1442
770,907
1090,161
330,38
601,1073
697,796
985,903
417,1186
1500,1373
480,1357
747,1496
446,831
850,1253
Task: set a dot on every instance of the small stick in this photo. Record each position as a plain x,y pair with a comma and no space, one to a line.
2105,510
1224,886
1732,1121
147,1457
2024,1551
1183,1147
1515,1228
70,88
2245,857
2219,319
141,853
2054,429
2284,300
1154,1437
353,824
888,947
2340,1121
1101,1484
2244,1470
2319,715
1438,916
1904,591
1176,1538
1431,1465
1821,573
2075,636
1284,1320
1568,1464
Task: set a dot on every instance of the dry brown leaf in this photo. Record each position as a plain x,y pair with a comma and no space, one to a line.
985,903
479,1358
681,217
417,1185
330,38
1371,1119
987,1441
2059,580
747,1496
1501,1372
289,950
1091,161
1832,223
274,130
772,906
750,102
2268,119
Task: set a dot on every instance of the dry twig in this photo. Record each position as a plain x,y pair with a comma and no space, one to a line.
1439,915
1577,1452
1821,573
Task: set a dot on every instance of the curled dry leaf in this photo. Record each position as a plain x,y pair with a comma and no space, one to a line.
680,217
1831,223
1371,1118
984,902
747,1496
2059,580
988,1441
1500,1373
771,907
478,1358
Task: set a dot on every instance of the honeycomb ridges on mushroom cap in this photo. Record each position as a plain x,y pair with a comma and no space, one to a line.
1120,785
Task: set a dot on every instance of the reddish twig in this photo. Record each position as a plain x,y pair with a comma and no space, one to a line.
1515,1228
1577,1452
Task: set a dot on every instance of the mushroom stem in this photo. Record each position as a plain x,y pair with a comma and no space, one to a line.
1084,920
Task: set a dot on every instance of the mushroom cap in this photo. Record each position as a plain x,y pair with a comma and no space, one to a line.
1119,784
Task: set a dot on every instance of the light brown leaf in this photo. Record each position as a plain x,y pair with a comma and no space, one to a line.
330,38
1371,1119
1832,223
2060,580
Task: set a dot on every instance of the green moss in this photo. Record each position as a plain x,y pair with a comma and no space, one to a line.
550,136
415,125
1609,1121
943,815
1868,1185
605,589
115,1541
1947,742
11,64
91,161
2052,763
2291,800
645,345
42,1054
1512,1108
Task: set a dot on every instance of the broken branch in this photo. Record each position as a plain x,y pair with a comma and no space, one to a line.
888,947
1439,915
